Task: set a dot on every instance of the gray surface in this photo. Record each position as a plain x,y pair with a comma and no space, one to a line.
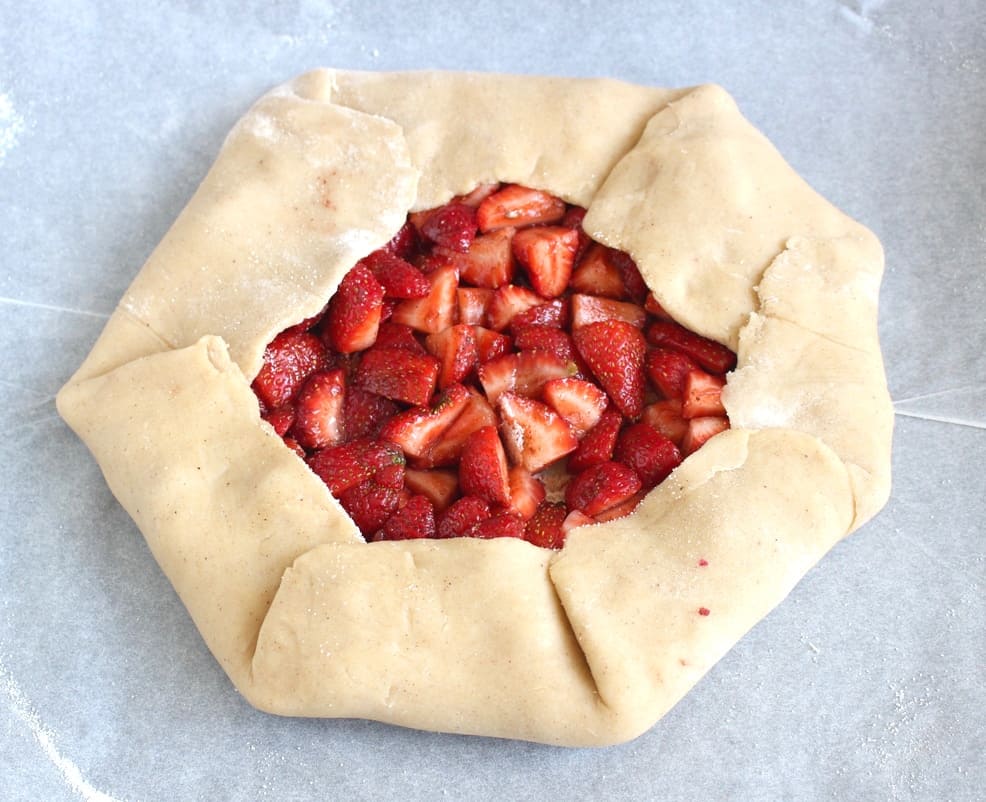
866,684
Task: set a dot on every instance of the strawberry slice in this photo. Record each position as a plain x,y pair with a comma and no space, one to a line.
614,351
700,430
526,492
709,354
452,226
398,374
364,413
518,206
508,302
436,310
483,467
462,516
473,302
416,430
573,219
652,455
440,487
667,371
703,395
534,434
293,444
596,275
579,402
489,262
371,503
504,524
476,413
405,242
622,509
525,372
399,278
665,418
456,349
574,519
354,312
490,344
289,360
634,282
653,306
281,419
598,444
343,467
548,254
588,309
553,313
544,529
600,487
396,335
545,338
319,411
414,520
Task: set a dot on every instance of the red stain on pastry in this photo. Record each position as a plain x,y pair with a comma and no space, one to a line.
703,611
703,562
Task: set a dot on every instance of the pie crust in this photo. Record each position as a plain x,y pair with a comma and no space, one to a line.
589,645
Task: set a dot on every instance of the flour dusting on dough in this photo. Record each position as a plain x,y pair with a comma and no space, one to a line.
11,126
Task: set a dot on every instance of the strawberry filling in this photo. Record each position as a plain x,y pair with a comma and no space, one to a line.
492,372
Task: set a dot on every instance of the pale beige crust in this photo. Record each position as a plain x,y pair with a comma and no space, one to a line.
586,646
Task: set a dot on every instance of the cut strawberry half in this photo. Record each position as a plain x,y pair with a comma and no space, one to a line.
504,524
476,413
598,444
440,487
398,374
288,361
491,344
701,430
665,417
436,310
456,350
342,467
396,335
579,402
462,516
399,278
548,254
518,206
319,410
405,242
281,419
614,351
667,371
371,503
489,262
588,309
545,528
473,302
650,454
483,467
526,492
601,487
414,520
709,354
551,313
452,226
703,395
596,275
508,302
525,372
534,434
364,413
478,195
416,430
354,312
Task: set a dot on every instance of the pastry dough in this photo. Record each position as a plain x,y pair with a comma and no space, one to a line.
586,646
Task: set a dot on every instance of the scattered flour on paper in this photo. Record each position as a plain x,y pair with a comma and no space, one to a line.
11,126
23,711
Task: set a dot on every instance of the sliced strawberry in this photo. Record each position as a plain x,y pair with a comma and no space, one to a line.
416,430
405,242
548,254
342,467
398,374
553,313
614,351
483,467
525,372
652,455
518,206
709,354
597,276
476,413
281,419
490,344
371,503
436,311
396,335
588,309
354,312
573,219
489,262
288,361
478,195
579,402
416,519
364,413
700,430
462,516
534,434
473,302
293,444
505,524
319,410
667,371
574,519
440,487
635,285
508,302
456,350
665,418
544,529
598,444
622,509
399,278
601,487
545,338
526,492
452,226
703,395
653,306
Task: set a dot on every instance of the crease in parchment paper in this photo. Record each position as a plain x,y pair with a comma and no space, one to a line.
53,308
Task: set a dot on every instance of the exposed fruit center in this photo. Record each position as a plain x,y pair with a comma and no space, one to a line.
492,372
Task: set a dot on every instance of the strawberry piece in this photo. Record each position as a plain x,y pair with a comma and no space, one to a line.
281,419
703,395
525,372
653,306
545,338
399,279
534,434
588,309
475,414
544,529
622,509
600,487
371,503
405,242
489,262
354,312
505,524
452,226
700,430
319,412
635,285
665,417
416,430
414,520
396,335
579,402
614,351
490,344
293,444
650,454
342,467
548,254
573,219
576,518
398,374
473,302
518,206
462,516
553,313
440,487
478,195
483,467
709,354
598,276
456,349
436,310
288,361
598,444
667,371
508,302
364,413
526,492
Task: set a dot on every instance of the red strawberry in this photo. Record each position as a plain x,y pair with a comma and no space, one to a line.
281,419
700,430
544,529
598,276
525,372
553,313
319,412
473,302
588,309
478,195
518,206
667,371
489,262
364,413
635,285
491,344
416,430
597,446
665,417
614,351
452,226
508,302
652,455
405,242
462,516
526,492
505,524
288,361
534,434
545,338
703,395
573,219
456,349
483,467
601,487
476,413
416,519
308,323
354,312
398,374
653,307
622,509
342,467
579,402
709,354
371,503
576,518
399,279
436,310
548,253
396,335
291,443
440,487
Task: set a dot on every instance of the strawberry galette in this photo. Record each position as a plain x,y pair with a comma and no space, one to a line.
491,404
